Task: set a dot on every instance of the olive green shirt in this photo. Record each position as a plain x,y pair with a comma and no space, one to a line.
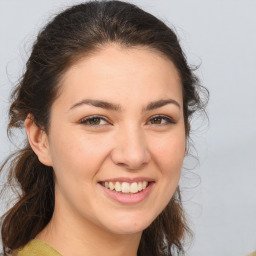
37,247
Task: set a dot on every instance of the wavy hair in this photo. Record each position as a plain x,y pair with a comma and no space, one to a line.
80,31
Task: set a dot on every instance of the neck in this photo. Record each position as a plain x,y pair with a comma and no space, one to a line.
79,237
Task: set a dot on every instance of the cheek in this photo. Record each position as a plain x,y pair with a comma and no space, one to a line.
76,161
169,153
77,155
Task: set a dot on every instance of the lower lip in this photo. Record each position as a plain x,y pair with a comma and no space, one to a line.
129,198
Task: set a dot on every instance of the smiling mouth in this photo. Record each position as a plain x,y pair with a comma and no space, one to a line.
126,187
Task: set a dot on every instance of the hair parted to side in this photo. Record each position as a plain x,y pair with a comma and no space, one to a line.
77,32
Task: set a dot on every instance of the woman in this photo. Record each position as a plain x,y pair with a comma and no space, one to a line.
105,100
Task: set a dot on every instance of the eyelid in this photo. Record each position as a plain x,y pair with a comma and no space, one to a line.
88,118
169,119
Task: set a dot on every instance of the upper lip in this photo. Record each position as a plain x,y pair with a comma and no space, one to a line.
129,180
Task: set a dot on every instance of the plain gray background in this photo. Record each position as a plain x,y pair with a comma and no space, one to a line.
219,35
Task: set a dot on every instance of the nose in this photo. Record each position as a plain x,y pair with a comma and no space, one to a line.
131,149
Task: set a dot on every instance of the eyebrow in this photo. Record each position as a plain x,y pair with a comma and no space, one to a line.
116,107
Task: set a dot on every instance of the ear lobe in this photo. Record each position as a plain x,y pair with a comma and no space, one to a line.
38,141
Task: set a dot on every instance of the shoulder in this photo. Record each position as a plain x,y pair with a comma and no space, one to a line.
36,247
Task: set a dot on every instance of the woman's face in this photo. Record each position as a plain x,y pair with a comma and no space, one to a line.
117,139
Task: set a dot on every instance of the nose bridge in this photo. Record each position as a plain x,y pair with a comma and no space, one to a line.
131,147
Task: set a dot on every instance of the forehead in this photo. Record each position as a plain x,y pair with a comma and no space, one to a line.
115,72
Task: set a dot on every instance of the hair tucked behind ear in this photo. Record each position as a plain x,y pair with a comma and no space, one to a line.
36,202
75,33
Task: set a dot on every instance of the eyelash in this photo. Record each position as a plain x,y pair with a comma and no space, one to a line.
86,121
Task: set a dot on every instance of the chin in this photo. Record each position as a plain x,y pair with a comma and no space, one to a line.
130,225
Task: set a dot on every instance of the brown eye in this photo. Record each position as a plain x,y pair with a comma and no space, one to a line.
94,121
156,120
161,120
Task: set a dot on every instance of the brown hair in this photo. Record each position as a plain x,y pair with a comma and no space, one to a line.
79,31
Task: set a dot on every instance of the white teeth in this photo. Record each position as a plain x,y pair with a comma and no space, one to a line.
126,187
134,187
118,187
140,186
111,186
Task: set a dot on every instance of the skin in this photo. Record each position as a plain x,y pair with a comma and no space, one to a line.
126,143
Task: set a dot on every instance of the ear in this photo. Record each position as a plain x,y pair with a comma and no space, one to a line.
38,141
